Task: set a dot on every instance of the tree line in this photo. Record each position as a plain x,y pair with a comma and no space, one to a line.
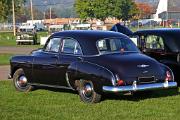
6,8
85,9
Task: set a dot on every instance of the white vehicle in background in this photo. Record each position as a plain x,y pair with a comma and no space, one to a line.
81,27
52,29
39,26
55,28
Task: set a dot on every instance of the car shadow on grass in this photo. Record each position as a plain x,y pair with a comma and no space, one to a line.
138,96
56,89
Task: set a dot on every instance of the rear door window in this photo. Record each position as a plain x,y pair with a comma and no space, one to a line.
71,46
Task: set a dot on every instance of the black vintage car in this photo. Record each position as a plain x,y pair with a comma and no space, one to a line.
163,45
91,62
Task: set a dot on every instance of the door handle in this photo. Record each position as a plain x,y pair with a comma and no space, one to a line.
80,59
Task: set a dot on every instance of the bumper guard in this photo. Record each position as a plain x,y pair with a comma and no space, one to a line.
134,87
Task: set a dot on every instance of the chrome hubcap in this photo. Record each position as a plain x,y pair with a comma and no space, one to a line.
87,91
22,81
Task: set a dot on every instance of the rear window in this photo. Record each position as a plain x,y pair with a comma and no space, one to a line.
116,45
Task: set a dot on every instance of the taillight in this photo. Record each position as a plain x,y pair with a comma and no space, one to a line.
168,76
120,82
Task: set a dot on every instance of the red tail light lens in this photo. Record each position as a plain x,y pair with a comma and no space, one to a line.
168,76
120,82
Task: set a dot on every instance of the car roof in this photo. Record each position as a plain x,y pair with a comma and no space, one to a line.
88,34
87,38
158,30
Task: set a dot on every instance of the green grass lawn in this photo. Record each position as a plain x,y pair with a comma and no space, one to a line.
7,39
57,104
4,59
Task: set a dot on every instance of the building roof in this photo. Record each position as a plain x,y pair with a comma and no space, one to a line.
173,5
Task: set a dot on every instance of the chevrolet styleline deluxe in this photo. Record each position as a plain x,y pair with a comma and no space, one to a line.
91,62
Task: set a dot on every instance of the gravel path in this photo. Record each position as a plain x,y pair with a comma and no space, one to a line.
4,71
16,50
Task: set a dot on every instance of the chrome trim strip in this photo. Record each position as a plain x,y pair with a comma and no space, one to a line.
52,86
143,87
67,81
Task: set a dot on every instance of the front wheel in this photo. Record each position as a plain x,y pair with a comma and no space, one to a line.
87,93
20,81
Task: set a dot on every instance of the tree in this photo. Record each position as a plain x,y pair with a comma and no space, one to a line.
6,8
125,9
102,9
84,9
145,10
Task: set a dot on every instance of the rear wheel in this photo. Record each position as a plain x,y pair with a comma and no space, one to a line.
87,93
20,81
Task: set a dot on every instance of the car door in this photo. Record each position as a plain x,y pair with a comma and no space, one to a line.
45,67
70,52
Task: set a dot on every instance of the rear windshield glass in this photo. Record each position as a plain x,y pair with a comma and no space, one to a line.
116,45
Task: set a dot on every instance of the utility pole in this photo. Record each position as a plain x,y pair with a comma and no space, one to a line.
50,14
44,15
32,16
167,15
14,20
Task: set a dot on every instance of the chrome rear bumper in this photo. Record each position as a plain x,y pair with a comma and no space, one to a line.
142,87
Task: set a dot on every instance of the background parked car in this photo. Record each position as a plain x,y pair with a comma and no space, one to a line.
26,35
163,45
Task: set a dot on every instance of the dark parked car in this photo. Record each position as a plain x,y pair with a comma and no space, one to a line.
163,45
91,62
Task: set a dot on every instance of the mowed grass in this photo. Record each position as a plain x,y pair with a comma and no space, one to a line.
8,39
4,59
57,104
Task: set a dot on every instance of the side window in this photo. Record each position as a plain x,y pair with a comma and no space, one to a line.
71,46
53,45
154,42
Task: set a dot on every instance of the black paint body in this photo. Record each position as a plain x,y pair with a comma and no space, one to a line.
59,69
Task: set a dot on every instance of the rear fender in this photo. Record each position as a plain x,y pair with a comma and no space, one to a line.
83,70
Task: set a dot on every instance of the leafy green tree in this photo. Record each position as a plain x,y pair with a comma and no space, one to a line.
85,9
101,9
125,9
6,8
